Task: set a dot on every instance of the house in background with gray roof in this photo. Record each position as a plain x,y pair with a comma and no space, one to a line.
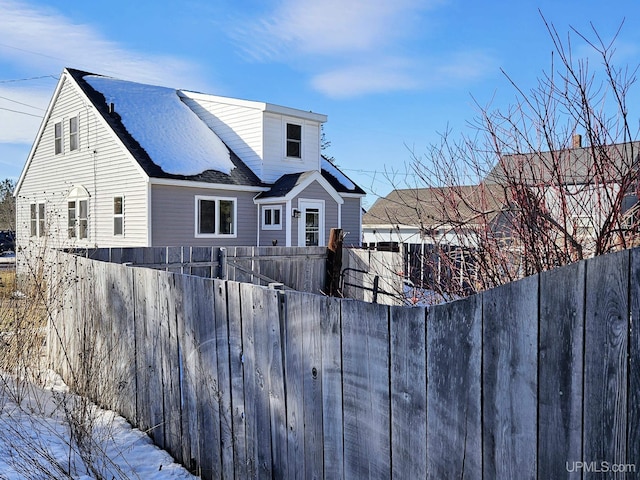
117,163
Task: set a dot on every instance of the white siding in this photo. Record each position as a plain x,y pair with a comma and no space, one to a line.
173,217
240,127
100,165
276,163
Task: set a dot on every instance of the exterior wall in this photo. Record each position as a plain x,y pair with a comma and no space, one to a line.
351,221
240,127
99,165
276,163
316,192
173,215
268,236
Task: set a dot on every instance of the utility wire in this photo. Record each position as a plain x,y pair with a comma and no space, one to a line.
20,103
28,79
23,113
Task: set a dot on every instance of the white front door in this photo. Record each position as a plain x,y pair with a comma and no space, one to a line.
311,223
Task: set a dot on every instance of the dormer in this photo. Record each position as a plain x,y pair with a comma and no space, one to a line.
271,140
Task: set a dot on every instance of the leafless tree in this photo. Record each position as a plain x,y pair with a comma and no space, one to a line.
554,176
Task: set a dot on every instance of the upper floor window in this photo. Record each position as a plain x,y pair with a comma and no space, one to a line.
294,140
38,219
215,216
118,215
272,218
57,137
73,133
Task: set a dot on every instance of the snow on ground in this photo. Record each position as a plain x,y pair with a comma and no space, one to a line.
35,439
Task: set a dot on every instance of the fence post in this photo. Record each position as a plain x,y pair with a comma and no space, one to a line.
334,263
222,262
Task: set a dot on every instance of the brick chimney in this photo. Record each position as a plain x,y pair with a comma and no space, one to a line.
577,140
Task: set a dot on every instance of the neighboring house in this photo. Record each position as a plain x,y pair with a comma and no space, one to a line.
118,163
572,191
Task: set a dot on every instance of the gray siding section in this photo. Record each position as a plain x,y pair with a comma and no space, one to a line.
100,165
351,221
315,191
173,217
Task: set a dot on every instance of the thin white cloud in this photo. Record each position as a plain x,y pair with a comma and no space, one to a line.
39,40
357,47
355,80
43,39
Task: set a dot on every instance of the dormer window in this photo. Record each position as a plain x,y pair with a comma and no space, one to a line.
294,140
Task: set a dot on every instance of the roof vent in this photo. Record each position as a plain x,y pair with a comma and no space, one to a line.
112,107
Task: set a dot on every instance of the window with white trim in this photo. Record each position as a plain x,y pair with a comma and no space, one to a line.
118,216
73,133
272,218
37,219
78,213
57,138
294,140
215,216
78,218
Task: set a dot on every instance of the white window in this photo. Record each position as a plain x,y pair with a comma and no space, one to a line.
38,219
272,218
118,216
57,138
78,213
78,218
294,140
73,133
215,217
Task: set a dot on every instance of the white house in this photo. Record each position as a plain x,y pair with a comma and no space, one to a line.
118,163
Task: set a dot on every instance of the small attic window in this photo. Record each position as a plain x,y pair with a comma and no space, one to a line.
73,133
294,140
57,137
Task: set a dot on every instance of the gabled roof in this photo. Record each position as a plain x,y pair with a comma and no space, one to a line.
151,120
436,206
293,184
567,166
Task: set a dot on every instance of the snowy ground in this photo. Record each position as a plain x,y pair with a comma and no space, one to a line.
36,440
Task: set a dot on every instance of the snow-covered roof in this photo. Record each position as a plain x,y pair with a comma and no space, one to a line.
169,131
341,177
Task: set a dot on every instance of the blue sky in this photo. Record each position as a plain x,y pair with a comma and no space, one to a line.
389,74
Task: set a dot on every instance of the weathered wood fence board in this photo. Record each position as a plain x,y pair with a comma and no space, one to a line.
454,435
365,397
241,381
510,380
561,366
634,359
408,392
606,362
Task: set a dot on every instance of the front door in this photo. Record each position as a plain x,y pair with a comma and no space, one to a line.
311,223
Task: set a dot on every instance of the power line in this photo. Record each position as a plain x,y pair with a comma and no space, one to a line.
23,113
20,103
28,79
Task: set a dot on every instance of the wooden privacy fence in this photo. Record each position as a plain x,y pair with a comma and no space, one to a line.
538,379
297,268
